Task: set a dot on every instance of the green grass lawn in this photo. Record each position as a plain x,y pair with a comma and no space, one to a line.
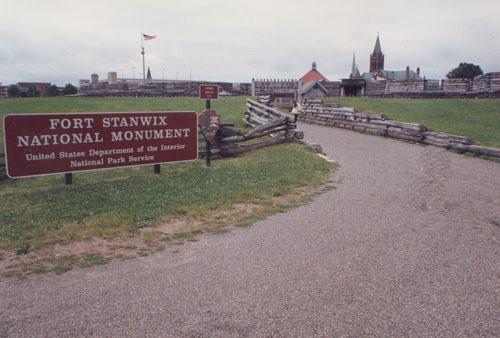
42,211
475,118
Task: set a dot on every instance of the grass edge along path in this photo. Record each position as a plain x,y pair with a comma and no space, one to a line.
478,119
126,213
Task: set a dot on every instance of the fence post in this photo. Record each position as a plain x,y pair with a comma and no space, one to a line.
287,128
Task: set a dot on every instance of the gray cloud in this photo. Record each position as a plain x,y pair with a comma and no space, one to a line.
239,40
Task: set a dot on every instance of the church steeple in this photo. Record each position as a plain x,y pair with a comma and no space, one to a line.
354,69
377,57
377,50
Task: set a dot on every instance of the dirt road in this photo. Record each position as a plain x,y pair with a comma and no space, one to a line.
406,245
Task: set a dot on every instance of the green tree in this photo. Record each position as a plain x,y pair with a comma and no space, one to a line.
31,92
465,71
52,91
69,89
13,91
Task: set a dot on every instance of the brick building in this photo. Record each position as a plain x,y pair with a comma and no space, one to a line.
40,87
3,91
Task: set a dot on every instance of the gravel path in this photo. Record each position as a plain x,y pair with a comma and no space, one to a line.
407,245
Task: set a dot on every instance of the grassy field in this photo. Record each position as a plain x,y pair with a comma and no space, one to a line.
478,119
38,213
44,211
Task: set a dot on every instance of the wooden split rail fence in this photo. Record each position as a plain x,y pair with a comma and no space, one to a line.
269,124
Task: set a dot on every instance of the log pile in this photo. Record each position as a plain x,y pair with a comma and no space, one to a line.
315,111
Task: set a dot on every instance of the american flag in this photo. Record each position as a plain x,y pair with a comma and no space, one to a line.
148,37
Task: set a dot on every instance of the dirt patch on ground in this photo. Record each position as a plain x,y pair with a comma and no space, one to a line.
60,258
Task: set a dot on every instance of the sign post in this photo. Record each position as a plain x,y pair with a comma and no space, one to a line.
64,143
209,121
68,178
208,146
208,93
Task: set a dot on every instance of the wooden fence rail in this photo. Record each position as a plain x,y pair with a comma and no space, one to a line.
269,124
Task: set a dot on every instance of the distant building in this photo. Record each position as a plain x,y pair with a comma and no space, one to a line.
377,58
312,89
377,82
114,86
380,81
311,84
3,91
40,87
282,92
313,75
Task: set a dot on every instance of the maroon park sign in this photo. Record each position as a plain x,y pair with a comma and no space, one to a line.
209,92
42,144
209,121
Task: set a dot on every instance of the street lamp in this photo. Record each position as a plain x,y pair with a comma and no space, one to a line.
176,75
163,75
190,71
133,73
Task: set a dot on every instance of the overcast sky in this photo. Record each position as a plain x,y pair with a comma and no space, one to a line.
63,41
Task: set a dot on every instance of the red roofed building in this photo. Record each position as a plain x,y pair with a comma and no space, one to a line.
313,75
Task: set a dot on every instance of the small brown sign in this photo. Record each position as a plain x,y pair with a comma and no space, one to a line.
209,92
209,121
42,144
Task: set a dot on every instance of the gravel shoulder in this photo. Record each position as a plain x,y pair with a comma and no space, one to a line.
406,245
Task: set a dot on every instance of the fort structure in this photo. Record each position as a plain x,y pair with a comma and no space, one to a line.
115,86
377,82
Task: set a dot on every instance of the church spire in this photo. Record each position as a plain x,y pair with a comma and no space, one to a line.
377,58
377,50
354,69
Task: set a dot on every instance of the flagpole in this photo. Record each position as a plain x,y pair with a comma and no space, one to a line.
143,61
